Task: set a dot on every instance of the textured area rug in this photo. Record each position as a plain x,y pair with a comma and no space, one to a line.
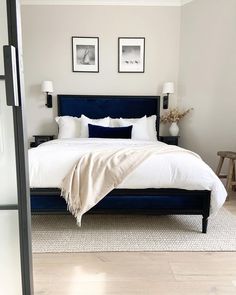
99,233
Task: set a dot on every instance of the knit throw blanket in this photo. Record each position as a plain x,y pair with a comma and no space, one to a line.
97,173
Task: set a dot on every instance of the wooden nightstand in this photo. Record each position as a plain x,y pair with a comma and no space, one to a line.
38,139
173,140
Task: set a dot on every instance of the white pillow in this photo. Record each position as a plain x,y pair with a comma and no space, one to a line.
115,122
85,121
151,125
152,131
69,127
140,127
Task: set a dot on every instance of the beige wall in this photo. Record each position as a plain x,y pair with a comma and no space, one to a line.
47,32
207,79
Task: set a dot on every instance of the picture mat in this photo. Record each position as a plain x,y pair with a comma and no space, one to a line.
129,43
83,42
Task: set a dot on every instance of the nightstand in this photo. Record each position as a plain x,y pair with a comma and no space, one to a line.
38,139
173,140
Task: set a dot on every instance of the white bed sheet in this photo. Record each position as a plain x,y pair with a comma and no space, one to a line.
50,162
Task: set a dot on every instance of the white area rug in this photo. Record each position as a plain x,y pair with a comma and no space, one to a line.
99,233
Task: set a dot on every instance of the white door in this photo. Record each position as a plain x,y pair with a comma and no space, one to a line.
15,244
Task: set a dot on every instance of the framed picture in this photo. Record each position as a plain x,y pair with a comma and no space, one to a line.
131,55
85,54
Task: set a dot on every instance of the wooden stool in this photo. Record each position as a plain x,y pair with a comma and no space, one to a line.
231,182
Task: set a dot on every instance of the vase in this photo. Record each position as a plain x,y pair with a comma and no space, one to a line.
174,129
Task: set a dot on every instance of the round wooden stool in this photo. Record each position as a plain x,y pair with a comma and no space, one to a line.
231,182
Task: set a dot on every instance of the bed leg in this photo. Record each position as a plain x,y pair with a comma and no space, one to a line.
204,224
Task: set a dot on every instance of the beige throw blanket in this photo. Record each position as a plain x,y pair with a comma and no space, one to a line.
98,173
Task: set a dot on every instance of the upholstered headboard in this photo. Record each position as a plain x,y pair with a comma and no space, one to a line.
100,106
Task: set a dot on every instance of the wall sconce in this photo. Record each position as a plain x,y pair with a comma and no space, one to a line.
47,87
168,88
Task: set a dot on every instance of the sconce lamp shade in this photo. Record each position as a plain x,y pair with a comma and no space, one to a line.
47,86
168,87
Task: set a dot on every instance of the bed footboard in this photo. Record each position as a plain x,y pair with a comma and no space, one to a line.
132,201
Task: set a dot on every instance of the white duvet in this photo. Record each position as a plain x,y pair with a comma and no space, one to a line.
50,162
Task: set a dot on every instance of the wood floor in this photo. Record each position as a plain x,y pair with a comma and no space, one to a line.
146,273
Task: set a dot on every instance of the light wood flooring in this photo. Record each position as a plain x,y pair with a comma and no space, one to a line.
146,273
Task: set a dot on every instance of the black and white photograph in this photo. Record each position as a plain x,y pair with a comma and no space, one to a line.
85,52
131,55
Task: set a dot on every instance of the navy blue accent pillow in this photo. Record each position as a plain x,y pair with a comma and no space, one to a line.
96,131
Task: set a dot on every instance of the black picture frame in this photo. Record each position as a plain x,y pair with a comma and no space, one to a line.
88,41
130,41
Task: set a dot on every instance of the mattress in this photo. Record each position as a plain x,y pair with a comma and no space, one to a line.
50,162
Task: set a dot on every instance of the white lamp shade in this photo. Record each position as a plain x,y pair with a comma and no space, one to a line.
168,87
47,86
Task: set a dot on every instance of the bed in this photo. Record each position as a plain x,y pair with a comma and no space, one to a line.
148,200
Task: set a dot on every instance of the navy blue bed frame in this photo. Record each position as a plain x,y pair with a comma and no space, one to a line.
146,201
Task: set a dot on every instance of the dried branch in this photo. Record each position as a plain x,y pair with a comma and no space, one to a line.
174,115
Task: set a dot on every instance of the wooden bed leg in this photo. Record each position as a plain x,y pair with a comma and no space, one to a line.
204,224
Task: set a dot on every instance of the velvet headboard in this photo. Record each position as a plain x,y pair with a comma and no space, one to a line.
100,106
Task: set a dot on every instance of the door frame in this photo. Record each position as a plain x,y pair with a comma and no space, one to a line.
21,153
